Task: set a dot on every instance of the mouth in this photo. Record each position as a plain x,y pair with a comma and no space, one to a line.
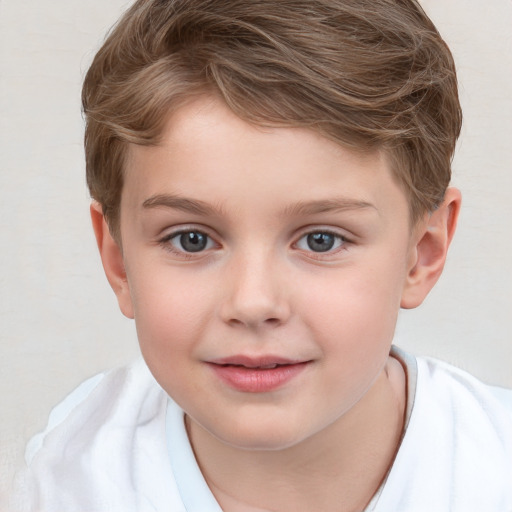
257,374
263,362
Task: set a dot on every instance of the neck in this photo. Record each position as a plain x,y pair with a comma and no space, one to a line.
339,468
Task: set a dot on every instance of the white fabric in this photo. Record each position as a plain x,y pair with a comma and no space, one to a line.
108,455
456,454
105,449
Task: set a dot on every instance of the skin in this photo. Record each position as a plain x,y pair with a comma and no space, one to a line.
259,288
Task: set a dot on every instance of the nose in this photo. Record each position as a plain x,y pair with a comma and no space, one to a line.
255,294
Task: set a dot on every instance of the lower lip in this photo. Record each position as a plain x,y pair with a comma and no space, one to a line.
257,380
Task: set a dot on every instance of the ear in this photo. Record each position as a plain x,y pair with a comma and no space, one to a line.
112,259
428,253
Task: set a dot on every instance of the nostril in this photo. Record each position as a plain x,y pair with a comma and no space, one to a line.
253,310
274,322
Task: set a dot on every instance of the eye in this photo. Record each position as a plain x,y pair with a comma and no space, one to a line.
190,241
320,241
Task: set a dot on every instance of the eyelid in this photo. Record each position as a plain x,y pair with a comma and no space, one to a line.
339,240
165,240
311,229
341,234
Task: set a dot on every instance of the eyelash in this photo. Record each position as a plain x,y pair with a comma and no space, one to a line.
166,242
339,239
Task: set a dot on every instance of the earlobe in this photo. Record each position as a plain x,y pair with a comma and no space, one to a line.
428,253
112,259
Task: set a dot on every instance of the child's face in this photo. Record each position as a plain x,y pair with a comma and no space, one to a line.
247,247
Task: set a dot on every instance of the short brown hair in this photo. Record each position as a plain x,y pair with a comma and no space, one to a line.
369,74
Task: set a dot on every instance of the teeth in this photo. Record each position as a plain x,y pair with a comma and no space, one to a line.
268,366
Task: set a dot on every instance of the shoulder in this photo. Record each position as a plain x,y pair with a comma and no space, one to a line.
113,396
456,453
462,396
104,447
475,418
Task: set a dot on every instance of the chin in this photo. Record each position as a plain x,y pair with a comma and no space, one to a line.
261,438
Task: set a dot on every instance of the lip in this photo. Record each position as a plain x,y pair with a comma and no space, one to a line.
260,374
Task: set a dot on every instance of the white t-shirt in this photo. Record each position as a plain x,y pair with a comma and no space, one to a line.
119,444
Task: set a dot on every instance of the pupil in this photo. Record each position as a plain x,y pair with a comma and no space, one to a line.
320,242
193,242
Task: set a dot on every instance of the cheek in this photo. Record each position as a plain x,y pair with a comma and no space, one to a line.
170,315
353,315
353,301
353,324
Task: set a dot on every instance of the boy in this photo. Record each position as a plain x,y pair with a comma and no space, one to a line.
270,187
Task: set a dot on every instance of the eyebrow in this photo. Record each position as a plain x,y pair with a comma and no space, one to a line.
176,202
198,207
338,204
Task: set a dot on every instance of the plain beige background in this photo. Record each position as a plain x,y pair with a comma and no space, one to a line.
59,320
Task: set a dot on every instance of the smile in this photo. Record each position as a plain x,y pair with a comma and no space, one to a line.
257,375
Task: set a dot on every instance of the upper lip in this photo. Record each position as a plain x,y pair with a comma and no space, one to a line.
264,361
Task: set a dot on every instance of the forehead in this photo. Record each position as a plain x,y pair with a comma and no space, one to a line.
207,152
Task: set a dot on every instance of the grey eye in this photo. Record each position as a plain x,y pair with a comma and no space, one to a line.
320,241
191,241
